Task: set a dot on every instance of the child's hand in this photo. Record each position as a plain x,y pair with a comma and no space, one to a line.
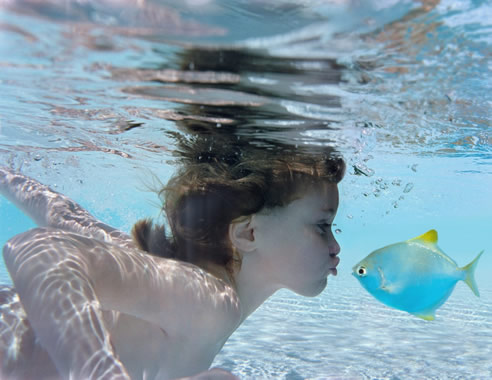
212,374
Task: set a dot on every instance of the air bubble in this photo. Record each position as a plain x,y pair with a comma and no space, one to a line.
396,182
361,169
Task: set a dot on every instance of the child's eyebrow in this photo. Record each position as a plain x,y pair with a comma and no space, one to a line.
329,210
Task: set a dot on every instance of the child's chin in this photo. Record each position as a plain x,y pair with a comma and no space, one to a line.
315,289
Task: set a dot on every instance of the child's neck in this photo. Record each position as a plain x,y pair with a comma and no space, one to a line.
251,285
220,272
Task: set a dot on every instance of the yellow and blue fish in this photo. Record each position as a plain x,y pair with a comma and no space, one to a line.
414,275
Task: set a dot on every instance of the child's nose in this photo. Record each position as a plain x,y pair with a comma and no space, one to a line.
334,249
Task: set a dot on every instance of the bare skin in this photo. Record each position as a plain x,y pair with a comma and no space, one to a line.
94,306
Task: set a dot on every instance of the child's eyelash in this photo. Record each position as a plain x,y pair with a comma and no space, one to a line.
323,226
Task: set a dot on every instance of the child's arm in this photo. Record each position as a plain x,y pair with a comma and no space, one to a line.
65,281
60,302
48,208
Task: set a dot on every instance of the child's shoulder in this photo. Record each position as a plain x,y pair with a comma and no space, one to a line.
180,297
201,300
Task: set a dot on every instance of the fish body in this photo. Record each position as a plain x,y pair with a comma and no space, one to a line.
415,275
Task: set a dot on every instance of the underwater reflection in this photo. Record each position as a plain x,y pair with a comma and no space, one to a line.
243,92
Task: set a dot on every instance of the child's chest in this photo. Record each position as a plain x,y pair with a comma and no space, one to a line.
148,352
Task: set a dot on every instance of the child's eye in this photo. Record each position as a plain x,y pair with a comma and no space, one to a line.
323,227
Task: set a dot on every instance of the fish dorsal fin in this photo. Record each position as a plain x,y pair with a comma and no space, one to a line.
429,237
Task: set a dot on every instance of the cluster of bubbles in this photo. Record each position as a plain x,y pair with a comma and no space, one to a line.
380,187
379,184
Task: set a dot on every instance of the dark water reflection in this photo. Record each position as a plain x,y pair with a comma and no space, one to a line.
242,92
206,86
297,72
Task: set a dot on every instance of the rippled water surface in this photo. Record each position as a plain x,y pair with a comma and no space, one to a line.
89,91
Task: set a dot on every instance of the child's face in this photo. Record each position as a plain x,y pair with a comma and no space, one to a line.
297,245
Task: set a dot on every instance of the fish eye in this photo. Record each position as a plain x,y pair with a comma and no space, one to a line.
361,271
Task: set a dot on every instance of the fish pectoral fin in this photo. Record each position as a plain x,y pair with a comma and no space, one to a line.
426,316
387,286
390,288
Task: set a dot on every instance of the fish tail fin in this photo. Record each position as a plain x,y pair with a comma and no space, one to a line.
470,274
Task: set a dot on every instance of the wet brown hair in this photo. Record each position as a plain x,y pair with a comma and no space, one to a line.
217,183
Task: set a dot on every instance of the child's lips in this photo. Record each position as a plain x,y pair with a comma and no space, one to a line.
336,261
333,270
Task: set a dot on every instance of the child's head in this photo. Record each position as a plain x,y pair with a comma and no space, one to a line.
220,184
292,246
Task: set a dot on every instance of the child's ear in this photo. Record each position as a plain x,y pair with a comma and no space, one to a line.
242,234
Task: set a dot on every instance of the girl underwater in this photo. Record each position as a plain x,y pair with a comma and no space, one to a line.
90,302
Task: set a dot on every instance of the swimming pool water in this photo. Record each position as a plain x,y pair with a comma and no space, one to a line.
88,91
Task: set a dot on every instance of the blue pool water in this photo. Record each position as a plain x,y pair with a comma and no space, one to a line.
88,90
